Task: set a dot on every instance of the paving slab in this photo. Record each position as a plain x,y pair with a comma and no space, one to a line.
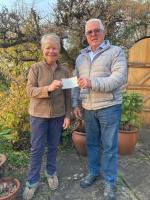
133,178
135,168
70,188
71,168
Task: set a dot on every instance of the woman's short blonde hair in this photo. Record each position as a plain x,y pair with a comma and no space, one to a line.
51,38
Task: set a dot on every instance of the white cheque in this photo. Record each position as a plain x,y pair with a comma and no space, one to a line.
69,82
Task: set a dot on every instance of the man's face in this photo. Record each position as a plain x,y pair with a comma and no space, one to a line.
94,35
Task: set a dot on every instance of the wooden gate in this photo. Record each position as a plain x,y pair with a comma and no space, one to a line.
139,75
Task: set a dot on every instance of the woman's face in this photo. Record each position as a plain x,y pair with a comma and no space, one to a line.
50,53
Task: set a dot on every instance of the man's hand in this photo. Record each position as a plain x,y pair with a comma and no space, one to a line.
77,112
84,83
56,84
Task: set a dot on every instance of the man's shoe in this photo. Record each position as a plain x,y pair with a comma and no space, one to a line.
88,180
109,192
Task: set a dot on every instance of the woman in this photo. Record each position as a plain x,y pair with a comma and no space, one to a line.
49,111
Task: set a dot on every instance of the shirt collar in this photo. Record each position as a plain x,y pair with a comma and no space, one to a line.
101,46
57,64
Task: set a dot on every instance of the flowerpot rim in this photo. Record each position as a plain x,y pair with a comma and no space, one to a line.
128,131
78,132
8,179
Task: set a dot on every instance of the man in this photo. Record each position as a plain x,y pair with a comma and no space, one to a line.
101,70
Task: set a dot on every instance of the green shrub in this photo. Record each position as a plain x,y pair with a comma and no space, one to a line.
15,159
13,110
65,140
132,104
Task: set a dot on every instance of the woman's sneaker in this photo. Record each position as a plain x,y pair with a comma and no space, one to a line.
29,192
53,182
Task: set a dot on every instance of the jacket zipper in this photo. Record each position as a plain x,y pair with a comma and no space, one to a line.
51,99
89,79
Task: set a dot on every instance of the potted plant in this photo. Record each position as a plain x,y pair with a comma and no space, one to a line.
132,104
9,188
78,137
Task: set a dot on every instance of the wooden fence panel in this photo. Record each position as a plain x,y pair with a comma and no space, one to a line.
139,75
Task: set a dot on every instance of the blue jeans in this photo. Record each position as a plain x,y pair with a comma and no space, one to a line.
44,131
102,141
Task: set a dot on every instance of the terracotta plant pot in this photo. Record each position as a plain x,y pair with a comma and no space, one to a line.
126,141
79,141
10,182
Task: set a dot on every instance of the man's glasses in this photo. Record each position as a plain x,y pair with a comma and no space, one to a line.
95,31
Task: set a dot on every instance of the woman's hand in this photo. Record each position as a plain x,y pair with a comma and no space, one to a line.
56,84
66,123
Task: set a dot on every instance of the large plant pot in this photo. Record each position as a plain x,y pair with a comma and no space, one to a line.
79,141
126,141
10,186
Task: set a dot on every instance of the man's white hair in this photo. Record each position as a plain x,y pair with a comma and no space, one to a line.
96,21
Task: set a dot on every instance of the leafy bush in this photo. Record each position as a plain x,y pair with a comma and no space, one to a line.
132,104
14,65
15,159
65,140
13,110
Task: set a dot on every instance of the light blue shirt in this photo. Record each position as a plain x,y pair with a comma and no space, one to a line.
93,54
